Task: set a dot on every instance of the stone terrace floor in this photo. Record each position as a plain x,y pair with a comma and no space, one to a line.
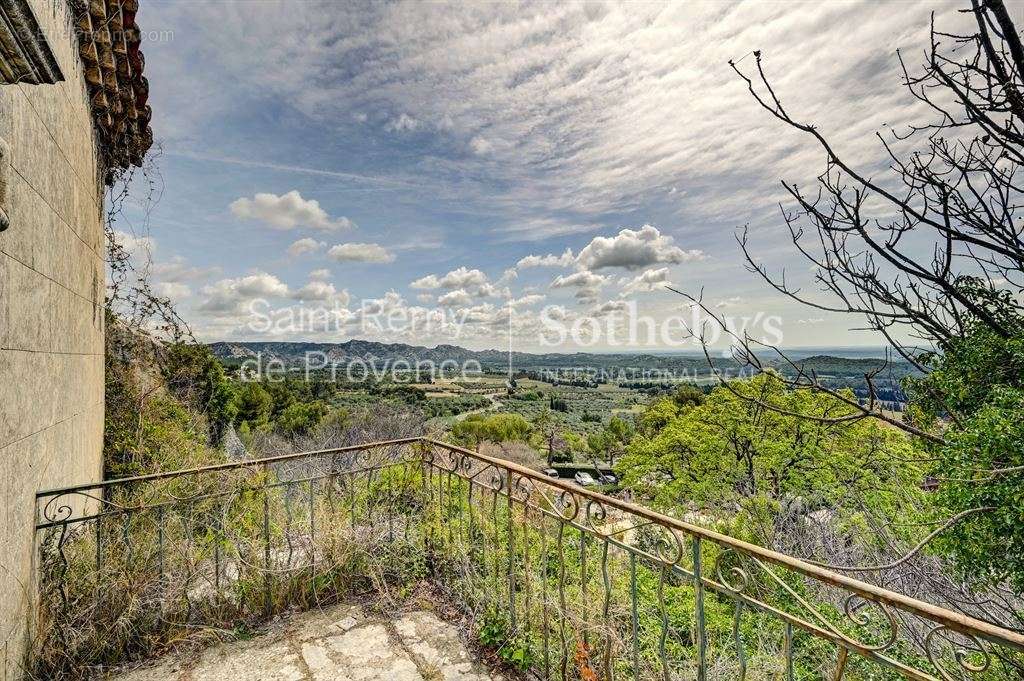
342,643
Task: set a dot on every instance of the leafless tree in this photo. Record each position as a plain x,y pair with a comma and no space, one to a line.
953,197
922,253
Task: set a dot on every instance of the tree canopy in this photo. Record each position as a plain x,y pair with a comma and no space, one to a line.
726,450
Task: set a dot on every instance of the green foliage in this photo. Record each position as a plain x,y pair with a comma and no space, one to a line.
337,419
558,403
282,395
503,427
687,396
610,441
436,407
576,446
620,430
162,436
662,411
599,443
156,397
301,418
496,632
616,435
195,376
255,405
975,393
409,394
658,415
222,407
729,449
963,377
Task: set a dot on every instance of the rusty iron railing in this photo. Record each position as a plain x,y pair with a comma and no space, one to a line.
563,582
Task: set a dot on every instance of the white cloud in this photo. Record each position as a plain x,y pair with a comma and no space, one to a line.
172,289
473,281
633,250
587,284
630,249
481,145
320,275
178,270
567,259
610,307
402,123
359,252
507,277
649,280
456,298
139,248
729,302
231,296
392,300
320,291
287,211
557,312
583,278
528,300
304,246
428,283
257,305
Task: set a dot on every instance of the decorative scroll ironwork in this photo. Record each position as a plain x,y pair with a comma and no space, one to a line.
760,584
580,583
961,653
734,578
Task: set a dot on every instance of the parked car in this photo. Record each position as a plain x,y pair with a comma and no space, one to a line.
607,478
550,472
584,479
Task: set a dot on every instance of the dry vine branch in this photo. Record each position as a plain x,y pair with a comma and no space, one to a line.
912,552
130,296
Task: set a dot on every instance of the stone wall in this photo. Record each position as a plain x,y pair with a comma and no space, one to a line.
51,310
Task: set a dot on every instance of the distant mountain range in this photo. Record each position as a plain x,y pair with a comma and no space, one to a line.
383,354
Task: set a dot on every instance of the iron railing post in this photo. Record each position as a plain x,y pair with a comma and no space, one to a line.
634,615
698,609
267,597
510,547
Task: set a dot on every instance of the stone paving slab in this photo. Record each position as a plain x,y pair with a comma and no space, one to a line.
341,643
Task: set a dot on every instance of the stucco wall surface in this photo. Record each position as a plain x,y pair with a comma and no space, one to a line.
51,310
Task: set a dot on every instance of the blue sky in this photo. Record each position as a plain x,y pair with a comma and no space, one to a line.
441,159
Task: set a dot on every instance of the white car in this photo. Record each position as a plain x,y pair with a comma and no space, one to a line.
584,479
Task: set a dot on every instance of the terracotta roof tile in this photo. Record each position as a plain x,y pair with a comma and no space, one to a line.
108,41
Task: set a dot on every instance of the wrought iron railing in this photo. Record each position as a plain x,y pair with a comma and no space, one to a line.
563,581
